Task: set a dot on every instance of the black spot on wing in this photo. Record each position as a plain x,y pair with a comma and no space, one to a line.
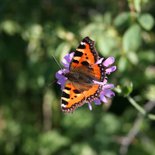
65,95
85,63
67,88
92,47
64,102
81,46
76,91
78,54
75,61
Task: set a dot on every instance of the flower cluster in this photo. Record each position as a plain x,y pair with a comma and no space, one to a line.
106,88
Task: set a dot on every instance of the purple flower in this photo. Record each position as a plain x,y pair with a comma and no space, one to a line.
67,59
106,91
61,79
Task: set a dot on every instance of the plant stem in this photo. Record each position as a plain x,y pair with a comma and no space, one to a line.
136,105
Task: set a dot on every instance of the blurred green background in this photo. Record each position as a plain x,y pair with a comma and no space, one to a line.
31,121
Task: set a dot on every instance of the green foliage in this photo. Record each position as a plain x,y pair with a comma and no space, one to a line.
147,21
31,32
132,38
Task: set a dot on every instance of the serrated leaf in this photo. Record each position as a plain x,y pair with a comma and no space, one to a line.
146,21
132,38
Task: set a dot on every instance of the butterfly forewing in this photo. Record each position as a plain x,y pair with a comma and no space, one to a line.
85,54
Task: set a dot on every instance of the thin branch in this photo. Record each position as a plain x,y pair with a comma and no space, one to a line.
127,140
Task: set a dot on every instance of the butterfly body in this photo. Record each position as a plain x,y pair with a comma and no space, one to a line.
83,70
79,77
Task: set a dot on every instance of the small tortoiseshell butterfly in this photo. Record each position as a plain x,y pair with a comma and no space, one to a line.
83,71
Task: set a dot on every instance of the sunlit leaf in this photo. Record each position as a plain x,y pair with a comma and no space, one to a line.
9,26
147,21
132,56
132,38
149,93
137,5
122,64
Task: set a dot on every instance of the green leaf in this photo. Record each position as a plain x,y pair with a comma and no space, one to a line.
125,89
122,19
54,139
122,64
147,21
62,49
132,38
82,148
10,27
147,56
132,56
109,123
118,89
106,44
128,88
149,93
137,5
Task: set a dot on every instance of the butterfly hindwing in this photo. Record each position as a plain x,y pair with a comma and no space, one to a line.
71,97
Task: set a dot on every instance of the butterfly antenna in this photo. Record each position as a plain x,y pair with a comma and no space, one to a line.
50,84
57,62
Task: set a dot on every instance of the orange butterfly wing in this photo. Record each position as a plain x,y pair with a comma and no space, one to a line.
85,58
75,94
71,98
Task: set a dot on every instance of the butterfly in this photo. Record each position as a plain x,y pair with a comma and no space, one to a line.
83,70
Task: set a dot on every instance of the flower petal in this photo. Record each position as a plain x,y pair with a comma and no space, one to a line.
67,59
65,63
103,98
105,80
111,69
98,82
99,61
108,86
62,82
109,93
61,78
90,106
97,102
60,73
109,61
